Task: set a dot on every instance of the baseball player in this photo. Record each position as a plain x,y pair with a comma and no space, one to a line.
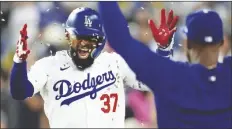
196,95
82,87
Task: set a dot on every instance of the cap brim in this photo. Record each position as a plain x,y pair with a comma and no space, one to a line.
86,32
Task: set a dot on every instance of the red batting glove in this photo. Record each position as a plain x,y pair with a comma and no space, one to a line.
163,35
22,50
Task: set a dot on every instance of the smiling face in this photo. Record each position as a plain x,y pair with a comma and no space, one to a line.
83,47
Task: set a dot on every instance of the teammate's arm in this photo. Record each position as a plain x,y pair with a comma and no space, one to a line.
157,71
23,85
129,77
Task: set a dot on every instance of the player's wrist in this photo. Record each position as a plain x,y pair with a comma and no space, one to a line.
169,46
164,53
16,59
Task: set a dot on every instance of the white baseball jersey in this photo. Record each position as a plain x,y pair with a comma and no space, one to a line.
83,99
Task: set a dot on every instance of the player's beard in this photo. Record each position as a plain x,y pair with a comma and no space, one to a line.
80,63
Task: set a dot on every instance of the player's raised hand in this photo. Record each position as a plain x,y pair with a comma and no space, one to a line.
22,50
163,35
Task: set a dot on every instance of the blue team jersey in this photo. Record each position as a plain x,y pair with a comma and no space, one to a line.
198,97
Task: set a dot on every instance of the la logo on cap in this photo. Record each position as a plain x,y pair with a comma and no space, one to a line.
88,22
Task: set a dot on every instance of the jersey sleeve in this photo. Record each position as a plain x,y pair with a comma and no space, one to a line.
129,77
38,74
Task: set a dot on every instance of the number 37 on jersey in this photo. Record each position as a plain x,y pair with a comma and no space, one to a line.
110,102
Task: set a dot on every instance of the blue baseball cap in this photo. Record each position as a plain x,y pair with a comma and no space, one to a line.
204,26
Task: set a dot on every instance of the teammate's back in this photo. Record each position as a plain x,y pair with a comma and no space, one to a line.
201,96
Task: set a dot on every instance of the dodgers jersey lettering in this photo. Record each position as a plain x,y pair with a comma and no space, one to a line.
91,98
86,84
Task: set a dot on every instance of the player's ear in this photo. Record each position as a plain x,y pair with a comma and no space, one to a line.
67,36
222,43
188,44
